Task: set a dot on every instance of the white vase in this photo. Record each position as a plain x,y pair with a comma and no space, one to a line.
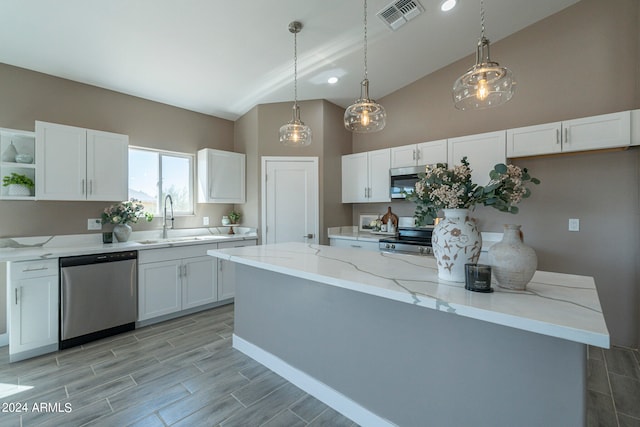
122,232
456,241
512,262
18,190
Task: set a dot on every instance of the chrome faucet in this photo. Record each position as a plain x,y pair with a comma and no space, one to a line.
164,218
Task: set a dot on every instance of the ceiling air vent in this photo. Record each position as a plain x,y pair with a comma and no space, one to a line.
398,13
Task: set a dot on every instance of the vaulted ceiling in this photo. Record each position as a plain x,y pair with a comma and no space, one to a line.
224,57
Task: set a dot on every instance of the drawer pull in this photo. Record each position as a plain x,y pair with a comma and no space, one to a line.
35,269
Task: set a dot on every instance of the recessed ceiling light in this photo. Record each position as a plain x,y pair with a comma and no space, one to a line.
447,5
332,80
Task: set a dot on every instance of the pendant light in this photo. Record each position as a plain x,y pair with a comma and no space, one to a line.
486,84
295,133
365,115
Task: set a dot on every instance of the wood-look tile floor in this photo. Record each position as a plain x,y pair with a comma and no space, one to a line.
184,372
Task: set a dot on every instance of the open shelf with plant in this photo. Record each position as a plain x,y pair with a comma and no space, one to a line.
17,164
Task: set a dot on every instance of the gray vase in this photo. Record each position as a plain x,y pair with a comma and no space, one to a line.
512,262
122,232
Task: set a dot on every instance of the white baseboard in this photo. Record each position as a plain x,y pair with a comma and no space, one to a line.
317,389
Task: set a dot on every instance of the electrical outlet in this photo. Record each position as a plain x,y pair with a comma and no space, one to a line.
94,224
574,224
205,220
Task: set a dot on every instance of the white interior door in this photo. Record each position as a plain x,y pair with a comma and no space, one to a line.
290,199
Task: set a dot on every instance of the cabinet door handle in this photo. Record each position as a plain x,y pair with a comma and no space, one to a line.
566,134
308,236
220,262
418,155
365,192
83,186
414,154
16,296
185,270
557,136
90,186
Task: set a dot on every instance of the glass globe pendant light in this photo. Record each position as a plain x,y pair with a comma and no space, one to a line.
486,84
365,115
295,133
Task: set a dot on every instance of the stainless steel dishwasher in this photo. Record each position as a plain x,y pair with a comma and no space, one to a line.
98,296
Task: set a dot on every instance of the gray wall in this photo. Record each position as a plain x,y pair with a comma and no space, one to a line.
256,134
27,96
582,61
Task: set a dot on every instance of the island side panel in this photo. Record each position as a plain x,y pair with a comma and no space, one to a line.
409,364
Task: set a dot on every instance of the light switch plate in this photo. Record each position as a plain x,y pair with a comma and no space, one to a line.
574,224
94,224
205,220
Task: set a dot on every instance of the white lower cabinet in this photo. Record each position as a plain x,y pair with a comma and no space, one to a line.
227,270
33,308
175,279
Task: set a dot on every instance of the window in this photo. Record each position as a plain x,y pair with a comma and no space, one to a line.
153,174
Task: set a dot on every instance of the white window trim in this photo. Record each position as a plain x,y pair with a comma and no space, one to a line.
192,178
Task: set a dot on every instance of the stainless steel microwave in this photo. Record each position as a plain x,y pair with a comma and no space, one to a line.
404,179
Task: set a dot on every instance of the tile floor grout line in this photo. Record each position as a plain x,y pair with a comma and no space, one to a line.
613,401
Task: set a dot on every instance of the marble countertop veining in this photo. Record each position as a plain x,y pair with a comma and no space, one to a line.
46,247
559,305
352,233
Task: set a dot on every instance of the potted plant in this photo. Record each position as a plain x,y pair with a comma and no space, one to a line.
234,217
19,185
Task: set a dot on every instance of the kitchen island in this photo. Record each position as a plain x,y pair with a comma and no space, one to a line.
382,340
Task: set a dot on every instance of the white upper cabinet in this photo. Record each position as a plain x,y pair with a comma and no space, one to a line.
589,133
365,177
534,140
425,153
107,166
483,152
80,164
221,176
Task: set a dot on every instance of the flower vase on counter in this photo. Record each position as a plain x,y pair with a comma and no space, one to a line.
456,241
122,232
513,263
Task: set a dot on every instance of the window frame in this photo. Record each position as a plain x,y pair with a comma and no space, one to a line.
192,177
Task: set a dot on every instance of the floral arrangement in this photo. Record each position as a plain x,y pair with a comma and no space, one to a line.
443,188
125,212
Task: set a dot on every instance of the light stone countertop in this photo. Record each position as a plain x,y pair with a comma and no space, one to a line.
47,247
558,305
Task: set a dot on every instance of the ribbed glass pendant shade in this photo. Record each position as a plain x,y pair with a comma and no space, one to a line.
365,115
484,85
295,133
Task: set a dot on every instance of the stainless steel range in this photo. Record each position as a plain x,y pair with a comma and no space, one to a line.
409,240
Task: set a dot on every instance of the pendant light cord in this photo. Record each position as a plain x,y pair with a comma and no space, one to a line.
482,19
365,39
295,68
